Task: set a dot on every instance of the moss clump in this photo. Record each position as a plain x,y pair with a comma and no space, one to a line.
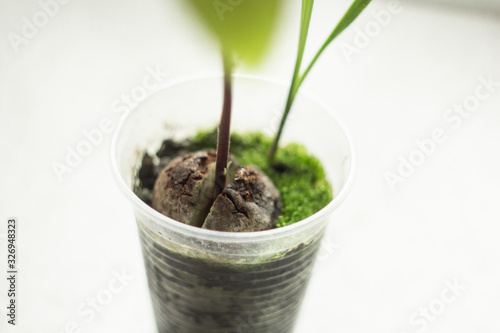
299,177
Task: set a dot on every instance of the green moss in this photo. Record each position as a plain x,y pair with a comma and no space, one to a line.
300,178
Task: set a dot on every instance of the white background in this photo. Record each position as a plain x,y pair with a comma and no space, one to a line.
387,253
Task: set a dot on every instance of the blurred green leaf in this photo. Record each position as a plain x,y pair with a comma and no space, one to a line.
242,26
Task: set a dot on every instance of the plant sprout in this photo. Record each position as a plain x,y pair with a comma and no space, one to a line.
243,28
307,5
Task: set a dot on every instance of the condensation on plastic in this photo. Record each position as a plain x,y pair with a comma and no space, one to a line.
208,281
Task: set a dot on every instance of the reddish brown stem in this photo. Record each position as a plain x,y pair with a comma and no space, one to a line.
224,132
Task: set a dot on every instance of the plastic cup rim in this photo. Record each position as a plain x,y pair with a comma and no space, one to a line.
154,215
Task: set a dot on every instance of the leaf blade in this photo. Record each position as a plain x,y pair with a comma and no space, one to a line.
242,26
352,13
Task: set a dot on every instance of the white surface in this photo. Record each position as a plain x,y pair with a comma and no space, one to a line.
481,5
390,253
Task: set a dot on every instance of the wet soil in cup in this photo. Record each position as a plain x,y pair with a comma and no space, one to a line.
200,293
192,294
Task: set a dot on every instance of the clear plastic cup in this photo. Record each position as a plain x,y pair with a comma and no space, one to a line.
209,281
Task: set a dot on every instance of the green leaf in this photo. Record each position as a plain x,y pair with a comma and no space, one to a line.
352,13
243,27
305,20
